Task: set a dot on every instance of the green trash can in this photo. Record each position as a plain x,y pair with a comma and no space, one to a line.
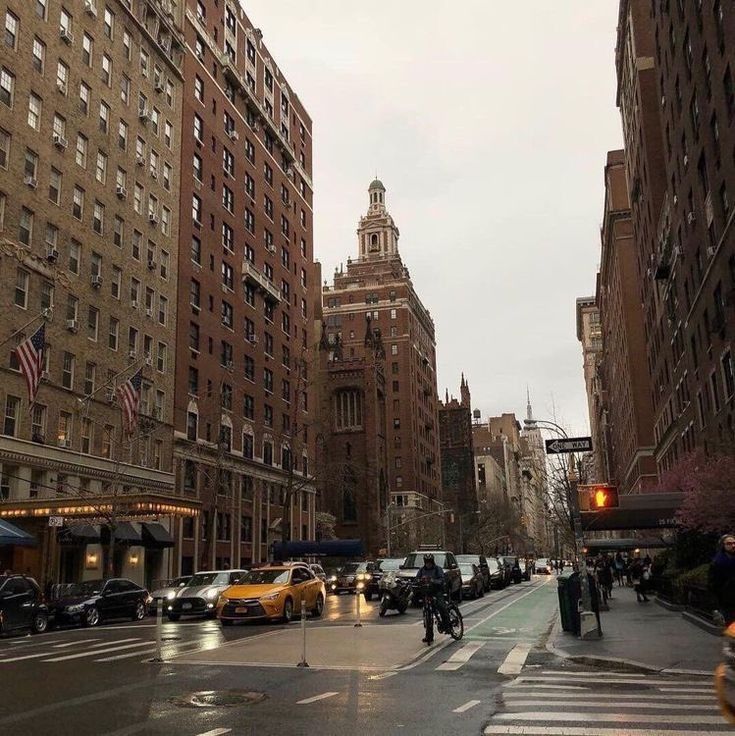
565,605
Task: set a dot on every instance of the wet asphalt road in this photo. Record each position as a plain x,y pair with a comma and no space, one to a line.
90,682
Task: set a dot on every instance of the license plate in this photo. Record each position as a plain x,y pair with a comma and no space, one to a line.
241,609
186,606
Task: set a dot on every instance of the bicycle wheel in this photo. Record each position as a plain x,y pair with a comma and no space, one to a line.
429,624
456,623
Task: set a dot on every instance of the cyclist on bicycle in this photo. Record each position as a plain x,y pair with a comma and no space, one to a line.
435,575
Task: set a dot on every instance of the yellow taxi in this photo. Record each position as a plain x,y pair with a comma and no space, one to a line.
725,676
273,592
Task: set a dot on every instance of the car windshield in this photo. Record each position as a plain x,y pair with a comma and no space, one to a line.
466,569
350,567
90,587
180,582
391,564
469,559
542,561
209,578
493,564
277,576
416,560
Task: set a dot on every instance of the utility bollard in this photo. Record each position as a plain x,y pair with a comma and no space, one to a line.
358,592
159,628
303,662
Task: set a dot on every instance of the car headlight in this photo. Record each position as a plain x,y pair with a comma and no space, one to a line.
77,608
171,595
212,594
270,597
332,578
368,576
149,600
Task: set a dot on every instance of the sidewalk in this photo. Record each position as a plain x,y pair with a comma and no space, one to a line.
644,636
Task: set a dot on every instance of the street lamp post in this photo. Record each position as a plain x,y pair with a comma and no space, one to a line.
588,621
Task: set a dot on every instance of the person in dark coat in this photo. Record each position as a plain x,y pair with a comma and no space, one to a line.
722,578
637,570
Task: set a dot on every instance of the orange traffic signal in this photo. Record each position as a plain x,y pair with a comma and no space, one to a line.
603,497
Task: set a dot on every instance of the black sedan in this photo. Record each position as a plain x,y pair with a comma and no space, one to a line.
21,605
93,601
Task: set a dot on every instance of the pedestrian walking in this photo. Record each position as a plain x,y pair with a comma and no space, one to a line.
619,569
722,579
636,572
605,577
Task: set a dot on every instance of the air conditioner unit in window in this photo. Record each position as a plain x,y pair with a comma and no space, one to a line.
60,141
121,192
110,395
140,160
72,325
134,304
31,182
90,8
61,86
132,355
158,84
691,218
148,359
233,135
52,255
149,312
154,173
66,36
151,265
143,114
96,281
153,218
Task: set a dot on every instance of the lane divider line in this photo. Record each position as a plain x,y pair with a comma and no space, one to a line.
216,732
513,663
469,704
315,698
461,656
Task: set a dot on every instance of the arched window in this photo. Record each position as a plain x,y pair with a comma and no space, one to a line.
348,409
349,508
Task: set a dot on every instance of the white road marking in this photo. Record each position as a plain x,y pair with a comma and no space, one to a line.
511,696
618,718
94,653
73,643
323,696
125,656
216,732
590,679
461,656
616,705
29,641
591,675
469,704
586,731
686,689
383,675
519,686
515,660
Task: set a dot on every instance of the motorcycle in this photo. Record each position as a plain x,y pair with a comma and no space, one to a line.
395,594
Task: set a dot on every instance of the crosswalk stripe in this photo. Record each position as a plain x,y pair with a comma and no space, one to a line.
589,680
314,699
610,718
125,656
587,731
602,705
73,643
513,663
596,675
520,686
216,732
95,652
620,698
461,656
685,689
464,708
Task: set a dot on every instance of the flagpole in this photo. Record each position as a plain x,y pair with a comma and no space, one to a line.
45,314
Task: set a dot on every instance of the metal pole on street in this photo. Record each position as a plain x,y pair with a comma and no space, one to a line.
303,662
358,591
159,630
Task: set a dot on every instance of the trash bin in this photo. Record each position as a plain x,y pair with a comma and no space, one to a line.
565,604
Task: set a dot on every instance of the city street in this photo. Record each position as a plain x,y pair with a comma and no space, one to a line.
376,679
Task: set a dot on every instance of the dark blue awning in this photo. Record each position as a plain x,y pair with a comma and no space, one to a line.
11,534
329,548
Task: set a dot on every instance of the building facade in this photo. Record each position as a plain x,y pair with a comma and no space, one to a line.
589,334
459,490
90,112
685,244
245,358
377,285
352,456
625,378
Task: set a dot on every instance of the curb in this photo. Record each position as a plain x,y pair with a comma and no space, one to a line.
701,623
675,607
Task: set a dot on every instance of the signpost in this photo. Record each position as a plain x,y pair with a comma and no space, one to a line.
568,444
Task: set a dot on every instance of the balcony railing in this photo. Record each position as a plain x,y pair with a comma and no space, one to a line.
269,290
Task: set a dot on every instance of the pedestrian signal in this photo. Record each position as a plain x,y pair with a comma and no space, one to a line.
604,497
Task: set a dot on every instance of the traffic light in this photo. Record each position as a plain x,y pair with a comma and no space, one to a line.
603,497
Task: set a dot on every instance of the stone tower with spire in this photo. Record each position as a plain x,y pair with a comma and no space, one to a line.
376,285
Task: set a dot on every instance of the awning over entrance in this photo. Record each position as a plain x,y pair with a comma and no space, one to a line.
13,535
156,536
124,532
80,534
600,545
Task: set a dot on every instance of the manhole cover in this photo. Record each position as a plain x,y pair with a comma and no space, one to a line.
219,699
170,638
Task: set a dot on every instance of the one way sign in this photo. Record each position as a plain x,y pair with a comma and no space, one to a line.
569,444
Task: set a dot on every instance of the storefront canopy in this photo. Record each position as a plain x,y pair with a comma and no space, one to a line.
13,535
156,536
80,534
329,548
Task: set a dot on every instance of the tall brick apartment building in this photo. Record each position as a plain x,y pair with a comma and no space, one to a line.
676,92
377,285
246,288
628,418
90,109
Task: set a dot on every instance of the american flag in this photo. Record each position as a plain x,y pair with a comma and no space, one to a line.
129,395
30,358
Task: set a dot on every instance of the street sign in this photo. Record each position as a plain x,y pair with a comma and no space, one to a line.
569,444
56,521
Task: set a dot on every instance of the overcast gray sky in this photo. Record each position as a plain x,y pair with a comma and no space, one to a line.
488,122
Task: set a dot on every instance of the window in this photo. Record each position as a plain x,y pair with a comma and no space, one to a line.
34,110
249,368
144,62
7,87
75,255
114,333
168,133
162,309
194,336
90,370
87,49
104,117
228,199
39,54
86,434
348,409
199,88
62,77
196,250
84,96
194,291
47,295
161,357
12,415
25,226
109,24
196,209
98,218
38,423
81,151
93,318
100,172
394,349
4,148
198,129
11,30
728,377
67,371
228,162
227,275
77,207
166,221
125,89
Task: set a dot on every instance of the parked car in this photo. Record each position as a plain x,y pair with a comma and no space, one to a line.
199,596
481,562
543,566
274,592
446,560
319,572
166,592
473,583
21,605
93,601
516,575
497,573
507,571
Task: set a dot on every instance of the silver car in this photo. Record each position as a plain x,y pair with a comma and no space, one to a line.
166,592
199,596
